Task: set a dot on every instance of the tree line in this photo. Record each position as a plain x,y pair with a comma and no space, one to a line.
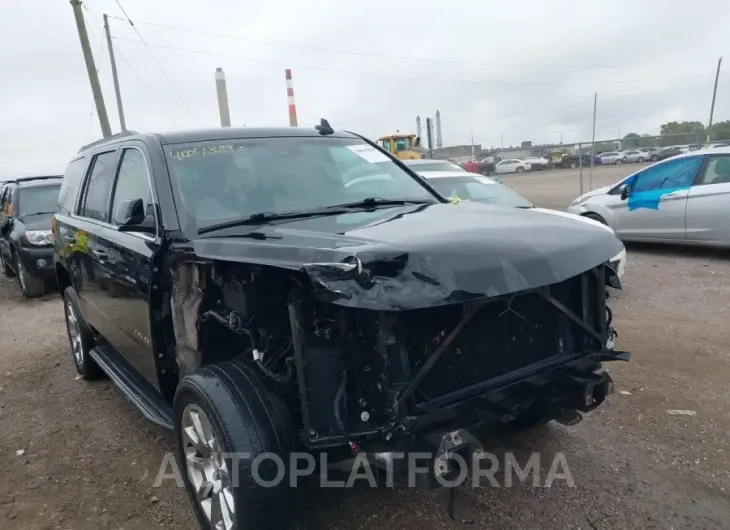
673,133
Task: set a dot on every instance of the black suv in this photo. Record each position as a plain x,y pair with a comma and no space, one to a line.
273,291
26,251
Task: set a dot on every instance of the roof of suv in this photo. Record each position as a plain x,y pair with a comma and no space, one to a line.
219,133
26,182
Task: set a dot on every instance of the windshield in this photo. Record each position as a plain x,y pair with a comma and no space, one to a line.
38,199
402,144
437,166
227,181
478,189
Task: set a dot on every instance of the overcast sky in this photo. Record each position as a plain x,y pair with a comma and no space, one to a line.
506,71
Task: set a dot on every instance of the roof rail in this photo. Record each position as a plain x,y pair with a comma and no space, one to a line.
40,177
107,139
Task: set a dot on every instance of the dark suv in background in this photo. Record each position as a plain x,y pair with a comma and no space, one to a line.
26,249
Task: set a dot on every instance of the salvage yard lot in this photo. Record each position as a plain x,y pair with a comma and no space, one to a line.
89,460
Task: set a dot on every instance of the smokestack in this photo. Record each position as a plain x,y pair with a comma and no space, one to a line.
418,126
220,86
439,140
290,99
429,136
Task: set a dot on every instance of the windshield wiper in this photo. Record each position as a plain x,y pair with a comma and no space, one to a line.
336,209
371,202
265,217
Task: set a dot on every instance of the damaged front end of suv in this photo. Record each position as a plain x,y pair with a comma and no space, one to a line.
391,337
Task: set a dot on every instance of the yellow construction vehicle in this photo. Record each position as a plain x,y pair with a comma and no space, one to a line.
403,146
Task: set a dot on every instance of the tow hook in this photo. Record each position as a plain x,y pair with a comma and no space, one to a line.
464,444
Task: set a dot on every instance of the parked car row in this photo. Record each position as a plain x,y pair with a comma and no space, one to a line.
497,164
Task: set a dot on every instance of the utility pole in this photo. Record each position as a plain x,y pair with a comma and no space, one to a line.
113,60
714,94
91,69
593,141
472,147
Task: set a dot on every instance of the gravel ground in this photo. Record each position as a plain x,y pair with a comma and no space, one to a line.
77,455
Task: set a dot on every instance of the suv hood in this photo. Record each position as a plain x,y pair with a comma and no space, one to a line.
420,256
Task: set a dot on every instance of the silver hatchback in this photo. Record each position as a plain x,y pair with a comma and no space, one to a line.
684,199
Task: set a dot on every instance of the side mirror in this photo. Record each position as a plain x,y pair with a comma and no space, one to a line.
418,141
131,217
624,191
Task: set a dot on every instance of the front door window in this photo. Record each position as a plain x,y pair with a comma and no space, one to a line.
648,187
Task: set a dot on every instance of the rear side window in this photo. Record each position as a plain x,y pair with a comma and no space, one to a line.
717,171
95,202
69,187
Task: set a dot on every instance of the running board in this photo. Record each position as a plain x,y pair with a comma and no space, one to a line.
139,391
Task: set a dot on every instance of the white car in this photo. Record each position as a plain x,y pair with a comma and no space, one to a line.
471,187
512,165
636,155
537,162
612,157
679,200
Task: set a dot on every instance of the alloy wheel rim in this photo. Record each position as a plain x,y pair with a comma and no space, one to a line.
207,470
74,335
21,275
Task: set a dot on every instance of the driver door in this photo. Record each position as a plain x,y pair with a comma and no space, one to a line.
657,199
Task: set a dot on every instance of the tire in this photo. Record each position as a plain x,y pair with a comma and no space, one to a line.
80,337
484,172
519,169
240,415
7,271
595,217
640,160
573,165
31,286
618,161
654,158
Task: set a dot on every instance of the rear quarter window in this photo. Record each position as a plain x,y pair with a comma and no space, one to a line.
72,179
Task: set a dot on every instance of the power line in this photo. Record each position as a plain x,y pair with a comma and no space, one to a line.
374,74
129,64
162,69
366,54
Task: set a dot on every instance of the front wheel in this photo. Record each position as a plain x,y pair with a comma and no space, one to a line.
31,286
80,337
485,172
654,158
596,217
619,161
519,169
234,440
640,160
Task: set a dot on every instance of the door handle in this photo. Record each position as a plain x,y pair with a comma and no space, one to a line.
100,254
673,196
